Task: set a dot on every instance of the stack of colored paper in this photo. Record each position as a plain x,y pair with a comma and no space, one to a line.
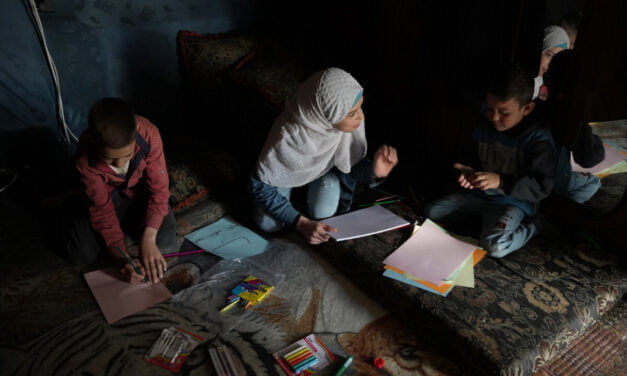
613,163
434,261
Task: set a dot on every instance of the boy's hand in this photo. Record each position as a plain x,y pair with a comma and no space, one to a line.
485,180
129,273
465,176
385,158
315,232
151,256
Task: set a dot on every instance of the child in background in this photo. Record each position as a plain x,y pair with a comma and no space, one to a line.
506,172
318,141
555,40
587,149
121,164
570,23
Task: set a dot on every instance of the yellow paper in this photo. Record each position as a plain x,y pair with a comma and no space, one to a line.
466,277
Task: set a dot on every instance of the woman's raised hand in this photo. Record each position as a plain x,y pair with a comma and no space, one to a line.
385,159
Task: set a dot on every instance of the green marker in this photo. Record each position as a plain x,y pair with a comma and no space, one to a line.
346,364
130,263
380,203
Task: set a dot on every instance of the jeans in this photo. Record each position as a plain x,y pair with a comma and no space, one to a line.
84,245
502,229
323,199
582,186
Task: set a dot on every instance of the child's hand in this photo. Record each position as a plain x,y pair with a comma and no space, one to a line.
385,158
315,232
151,256
485,180
465,176
129,273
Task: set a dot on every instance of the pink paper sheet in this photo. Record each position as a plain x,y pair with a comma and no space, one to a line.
612,157
430,254
118,299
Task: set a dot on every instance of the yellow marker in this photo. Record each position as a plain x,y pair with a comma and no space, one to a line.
296,354
289,354
229,306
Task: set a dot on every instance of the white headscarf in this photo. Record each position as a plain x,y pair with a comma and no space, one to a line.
303,145
554,36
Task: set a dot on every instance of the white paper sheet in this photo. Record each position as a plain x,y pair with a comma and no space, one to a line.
364,222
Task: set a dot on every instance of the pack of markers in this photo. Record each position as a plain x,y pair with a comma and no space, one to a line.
304,357
172,348
249,292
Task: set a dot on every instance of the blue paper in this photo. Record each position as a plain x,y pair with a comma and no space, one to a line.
392,274
228,239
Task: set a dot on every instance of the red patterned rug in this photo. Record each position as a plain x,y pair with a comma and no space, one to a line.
600,351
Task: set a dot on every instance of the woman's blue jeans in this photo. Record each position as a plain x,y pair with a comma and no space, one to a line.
323,199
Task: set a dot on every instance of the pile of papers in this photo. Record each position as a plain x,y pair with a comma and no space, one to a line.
614,136
434,261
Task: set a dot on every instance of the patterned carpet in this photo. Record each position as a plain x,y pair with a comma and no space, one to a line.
51,324
600,351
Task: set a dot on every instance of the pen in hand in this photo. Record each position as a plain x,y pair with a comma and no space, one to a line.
130,262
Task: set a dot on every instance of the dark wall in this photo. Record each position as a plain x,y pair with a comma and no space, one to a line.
423,64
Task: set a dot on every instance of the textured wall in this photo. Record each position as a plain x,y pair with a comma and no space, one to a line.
102,48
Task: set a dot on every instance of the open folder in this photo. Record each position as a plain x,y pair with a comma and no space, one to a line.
364,222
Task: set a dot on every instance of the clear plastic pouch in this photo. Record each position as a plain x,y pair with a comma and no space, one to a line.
172,348
212,292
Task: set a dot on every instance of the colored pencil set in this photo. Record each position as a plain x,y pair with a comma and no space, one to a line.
300,359
249,292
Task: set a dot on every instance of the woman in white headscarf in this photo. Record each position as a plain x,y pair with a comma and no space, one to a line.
319,140
555,40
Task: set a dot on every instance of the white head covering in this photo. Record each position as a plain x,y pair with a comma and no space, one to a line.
554,36
303,145
537,84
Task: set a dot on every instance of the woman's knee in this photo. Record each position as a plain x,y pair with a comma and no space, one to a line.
323,196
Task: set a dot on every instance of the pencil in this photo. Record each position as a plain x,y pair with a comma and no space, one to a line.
168,255
385,198
131,263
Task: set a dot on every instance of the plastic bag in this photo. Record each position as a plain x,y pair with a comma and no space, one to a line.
212,293
172,348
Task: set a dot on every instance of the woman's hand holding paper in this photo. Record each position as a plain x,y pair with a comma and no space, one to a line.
314,231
